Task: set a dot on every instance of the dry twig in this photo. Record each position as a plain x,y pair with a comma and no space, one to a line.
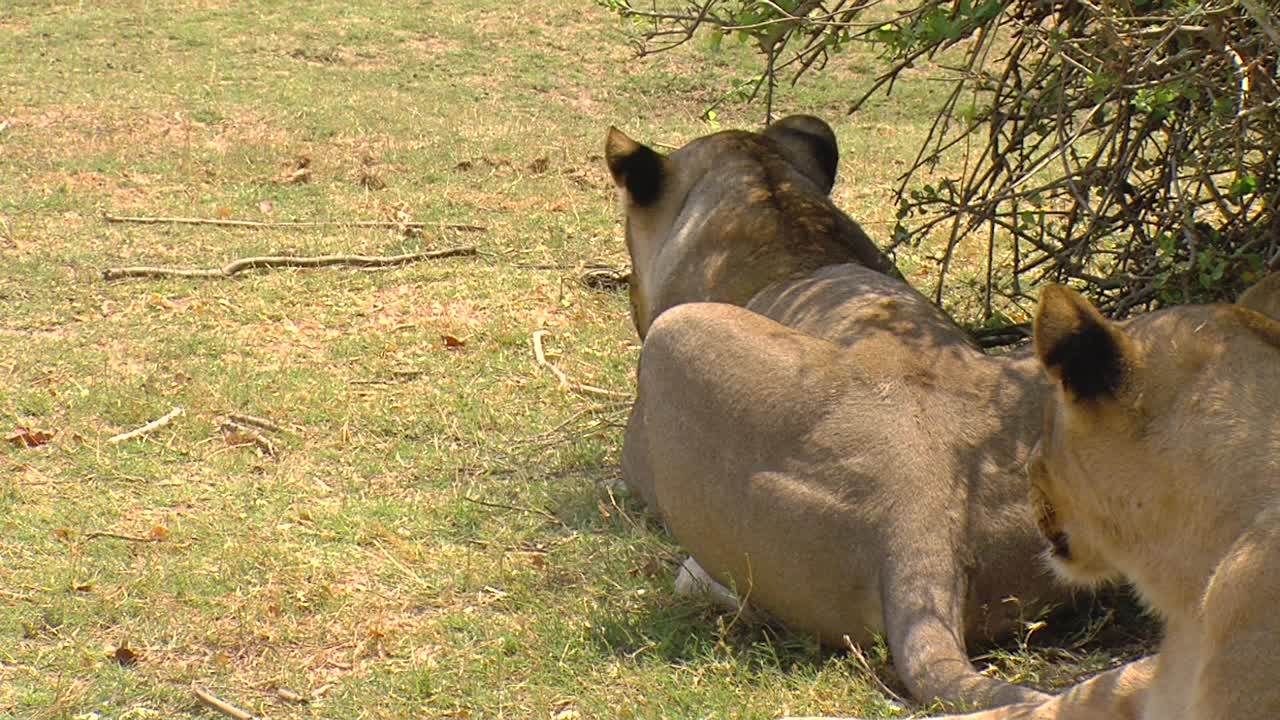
518,508
290,696
258,225
7,231
239,433
262,423
118,536
865,665
221,705
540,357
278,261
149,427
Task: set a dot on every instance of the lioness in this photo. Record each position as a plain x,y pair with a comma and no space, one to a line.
1160,464
836,449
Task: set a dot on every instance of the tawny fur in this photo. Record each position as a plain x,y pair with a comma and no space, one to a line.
819,436
1169,479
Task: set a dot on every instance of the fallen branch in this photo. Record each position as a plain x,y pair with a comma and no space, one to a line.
238,433
277,261
599,277
258,225
221,705
261,423
149,427
117,536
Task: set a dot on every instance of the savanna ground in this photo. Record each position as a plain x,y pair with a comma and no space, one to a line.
426,528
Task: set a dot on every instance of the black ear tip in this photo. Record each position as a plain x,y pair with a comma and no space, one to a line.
1089,363
1077,345
635,167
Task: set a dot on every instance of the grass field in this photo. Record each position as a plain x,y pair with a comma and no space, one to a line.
425,527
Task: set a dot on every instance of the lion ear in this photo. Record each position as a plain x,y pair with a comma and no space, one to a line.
635,168
1078,347
811,144
1264,296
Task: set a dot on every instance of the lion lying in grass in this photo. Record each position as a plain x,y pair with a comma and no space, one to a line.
1160,464
819,436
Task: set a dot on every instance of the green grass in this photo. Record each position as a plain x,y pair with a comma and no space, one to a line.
434,535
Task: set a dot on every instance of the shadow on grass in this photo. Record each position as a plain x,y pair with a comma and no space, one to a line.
677,631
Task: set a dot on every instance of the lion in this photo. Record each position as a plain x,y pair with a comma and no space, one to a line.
819,436
1159,464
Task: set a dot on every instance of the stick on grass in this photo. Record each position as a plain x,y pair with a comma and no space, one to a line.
540,357
94,534
259,225
240,433
149,427
258,422
287,261
221,705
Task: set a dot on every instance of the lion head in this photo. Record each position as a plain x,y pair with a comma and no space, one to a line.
1161,440
729,213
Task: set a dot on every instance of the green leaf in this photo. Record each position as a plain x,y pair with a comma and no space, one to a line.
1243,185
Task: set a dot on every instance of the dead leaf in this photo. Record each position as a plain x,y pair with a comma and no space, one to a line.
266,207
126,656
28,437
158,532
463,166
62,533
164,302
224,212
235,436
370,180
400,213
82,586
565,711
300,172
453,342
539,166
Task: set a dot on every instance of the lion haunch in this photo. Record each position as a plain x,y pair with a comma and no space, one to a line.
821,438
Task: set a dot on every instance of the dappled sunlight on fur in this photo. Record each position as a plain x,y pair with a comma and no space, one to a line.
818,435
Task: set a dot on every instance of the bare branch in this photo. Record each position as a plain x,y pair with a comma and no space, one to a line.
285,261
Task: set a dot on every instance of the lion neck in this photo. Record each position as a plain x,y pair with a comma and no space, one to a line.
1171,568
